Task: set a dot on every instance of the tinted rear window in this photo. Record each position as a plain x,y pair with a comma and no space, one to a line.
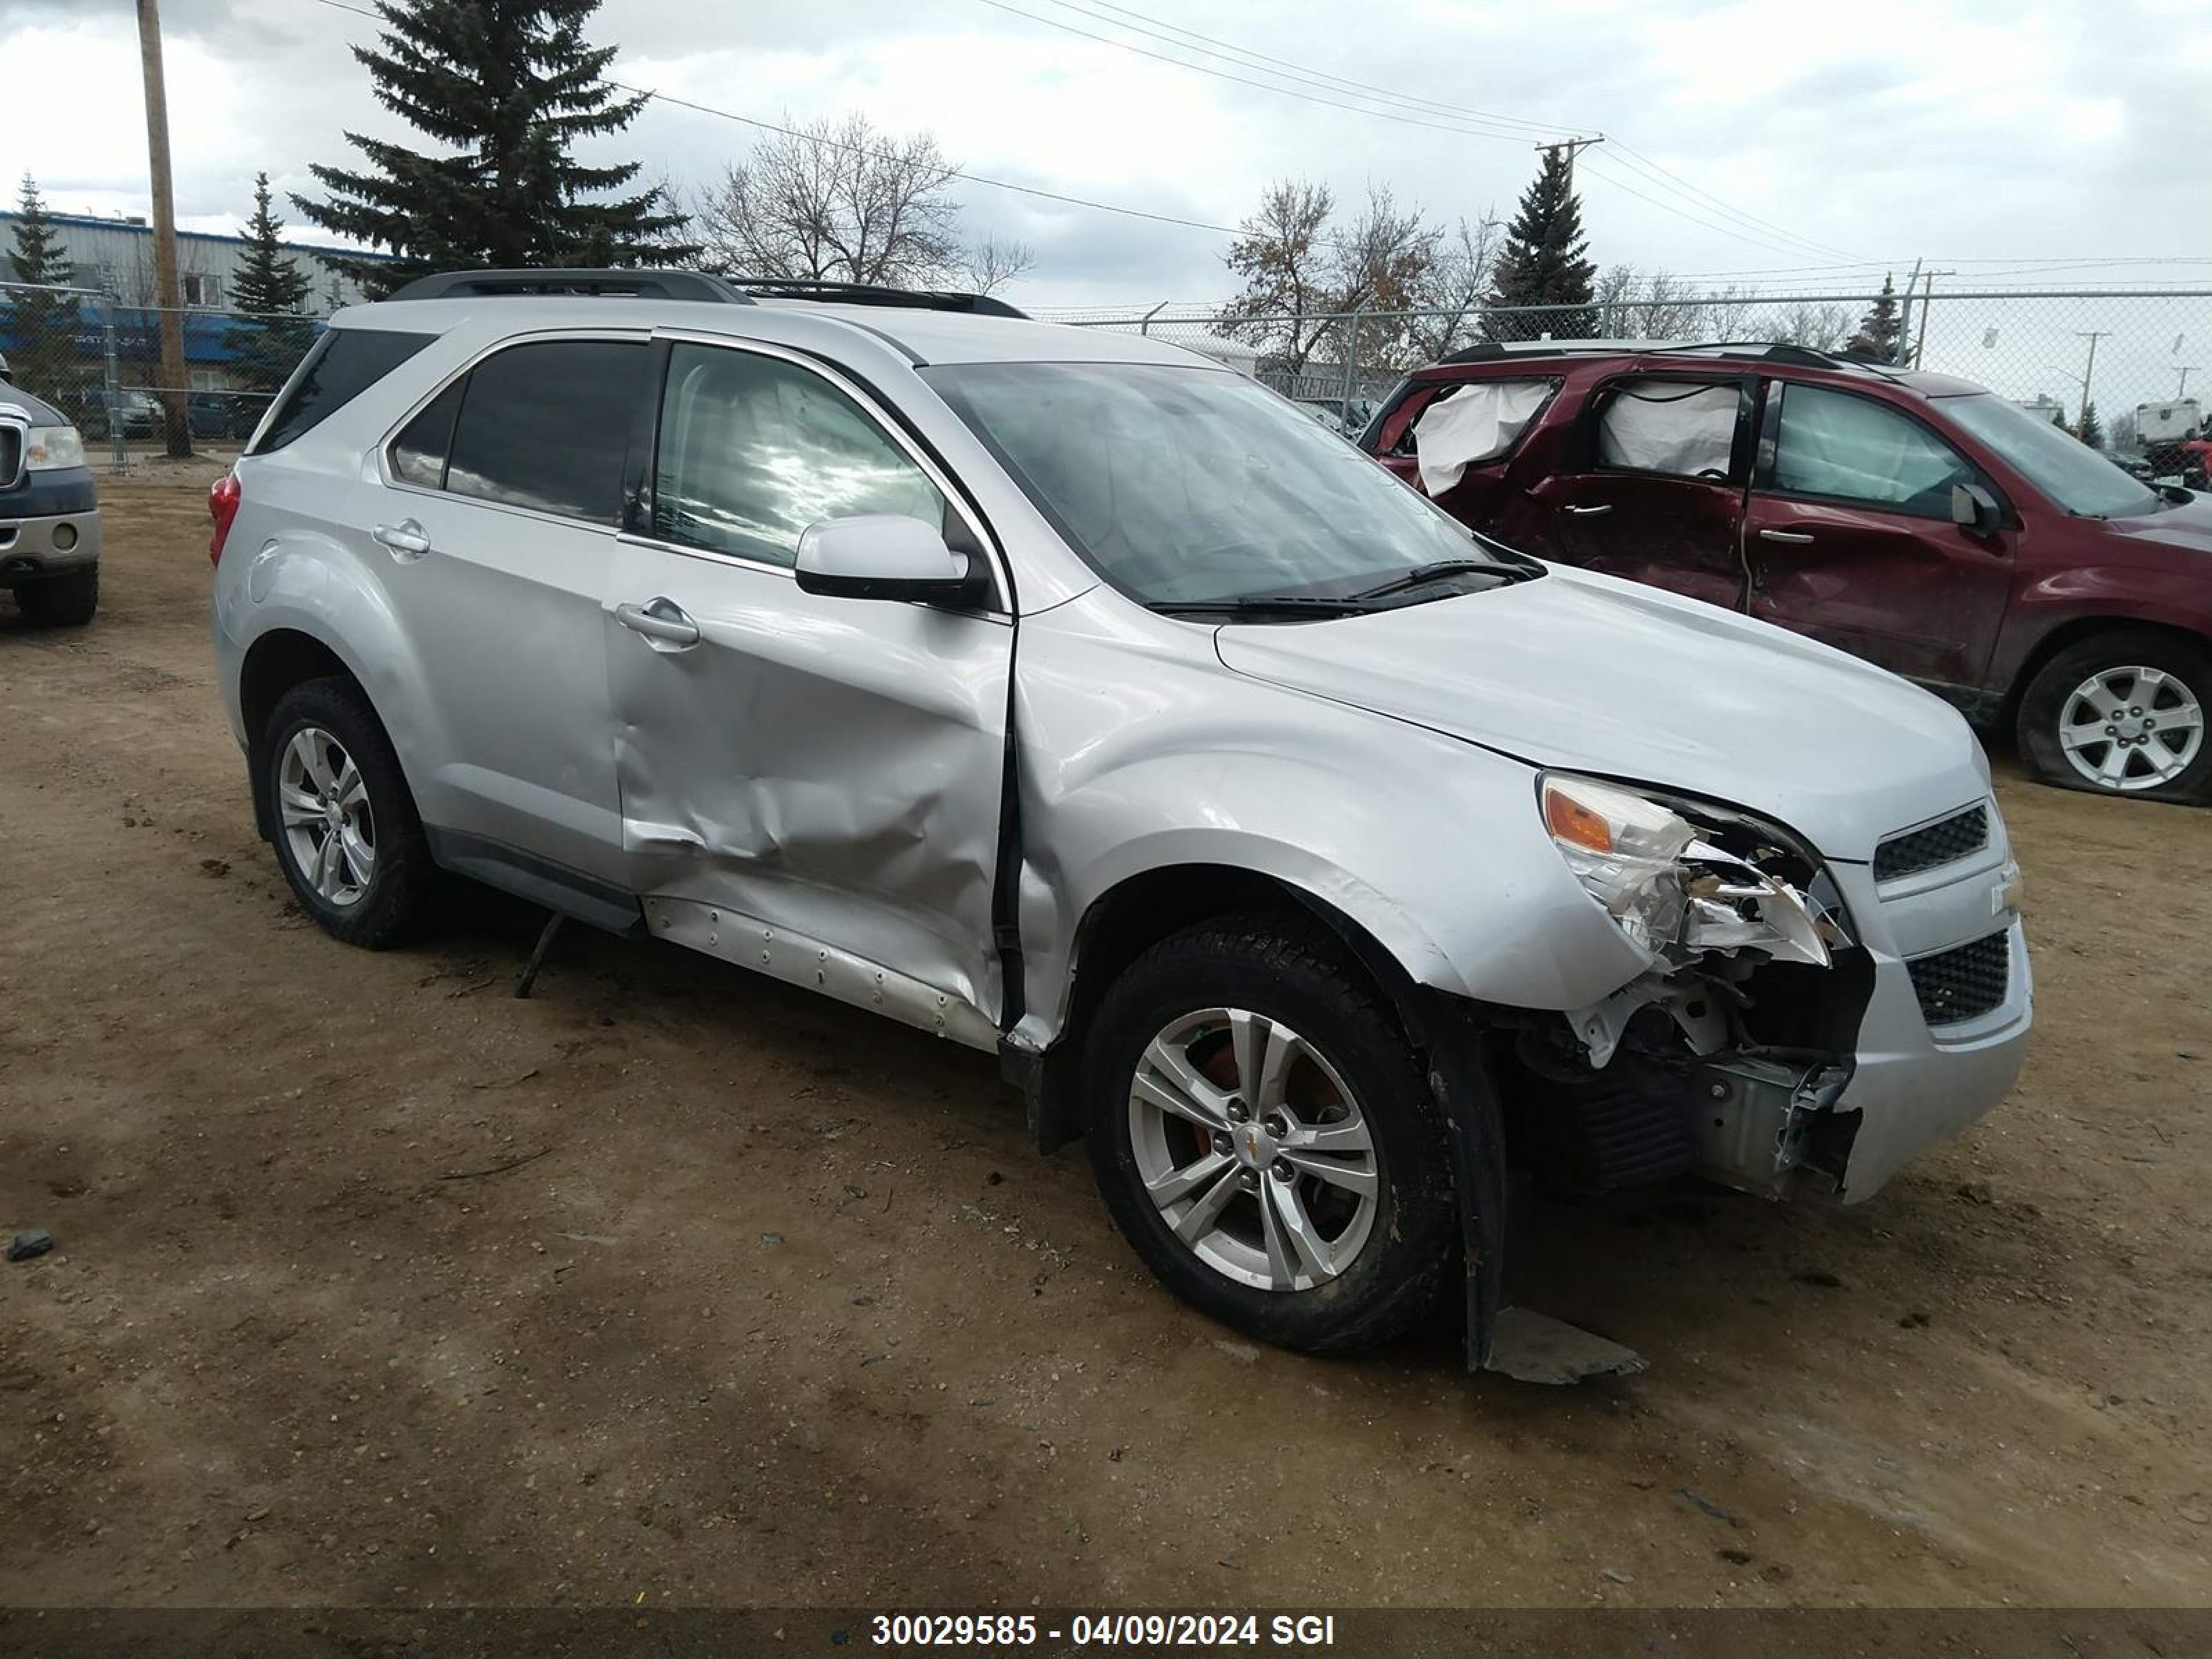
341,366
546,426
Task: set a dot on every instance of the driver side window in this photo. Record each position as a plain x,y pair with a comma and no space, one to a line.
753,449
1849,448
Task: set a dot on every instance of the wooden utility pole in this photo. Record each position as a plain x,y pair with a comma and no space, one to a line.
1905,321
167,294
1573,147
1927,294
2088,371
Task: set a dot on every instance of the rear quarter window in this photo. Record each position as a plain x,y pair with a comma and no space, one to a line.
337,368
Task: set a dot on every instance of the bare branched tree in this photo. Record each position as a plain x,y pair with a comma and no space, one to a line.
1465,270
1673,310
835,200
1824,328
1302,279
1611,295
1728,313
990,264
1634,307
1283,256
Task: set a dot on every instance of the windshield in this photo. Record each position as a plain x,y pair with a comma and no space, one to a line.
1184,486
2073,476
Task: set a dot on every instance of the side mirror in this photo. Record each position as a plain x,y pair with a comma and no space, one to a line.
1972,508
886,555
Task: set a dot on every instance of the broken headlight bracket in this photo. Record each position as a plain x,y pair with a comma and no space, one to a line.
1669,883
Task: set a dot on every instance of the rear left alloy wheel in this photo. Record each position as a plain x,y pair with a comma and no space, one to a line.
1261,1134
346,832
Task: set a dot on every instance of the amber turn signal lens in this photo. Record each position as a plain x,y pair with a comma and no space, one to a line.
1571,821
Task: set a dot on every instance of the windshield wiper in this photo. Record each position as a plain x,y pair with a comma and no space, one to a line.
1421,575
1255,604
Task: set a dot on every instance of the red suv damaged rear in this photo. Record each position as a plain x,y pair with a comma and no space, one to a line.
1921,522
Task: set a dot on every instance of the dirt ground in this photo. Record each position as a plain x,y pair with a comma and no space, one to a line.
774,1306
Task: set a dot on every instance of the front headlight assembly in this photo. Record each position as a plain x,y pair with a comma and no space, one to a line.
52,448
1671,889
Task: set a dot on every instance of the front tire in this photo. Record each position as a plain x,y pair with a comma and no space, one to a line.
1264,1138
2123,714
343,822
63,601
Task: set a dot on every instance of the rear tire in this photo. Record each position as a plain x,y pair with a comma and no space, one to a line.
2124,712
1248,1202
342,820
64,601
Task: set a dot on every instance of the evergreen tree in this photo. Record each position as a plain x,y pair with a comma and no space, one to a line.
1880,337
2091,430
507,86
44,359
1544,262
270,292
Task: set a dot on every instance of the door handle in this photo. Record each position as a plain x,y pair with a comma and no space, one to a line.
1590,511
1796,537
407,539
662,620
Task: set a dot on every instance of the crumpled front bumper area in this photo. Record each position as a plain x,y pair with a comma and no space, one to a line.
1787,1079
1920,1075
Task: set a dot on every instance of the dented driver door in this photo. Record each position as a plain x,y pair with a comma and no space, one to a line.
809,785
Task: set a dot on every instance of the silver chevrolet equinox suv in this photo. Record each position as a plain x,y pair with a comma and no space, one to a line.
1336,871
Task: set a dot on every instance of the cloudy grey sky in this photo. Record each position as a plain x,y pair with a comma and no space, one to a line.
2013,140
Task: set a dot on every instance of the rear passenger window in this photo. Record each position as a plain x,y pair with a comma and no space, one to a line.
753,449
418,454
337,368
546,425
1685,428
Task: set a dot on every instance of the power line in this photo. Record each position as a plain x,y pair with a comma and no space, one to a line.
1628,155
1306,70
1645,165
1738,235
670,98
1464,131
1651,170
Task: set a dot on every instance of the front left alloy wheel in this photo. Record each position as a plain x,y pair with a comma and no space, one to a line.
1262,1135
344,824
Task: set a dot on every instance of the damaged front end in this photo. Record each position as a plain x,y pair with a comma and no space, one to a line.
1729,1053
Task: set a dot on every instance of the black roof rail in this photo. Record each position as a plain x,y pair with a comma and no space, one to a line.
1493,351
641,283
874,294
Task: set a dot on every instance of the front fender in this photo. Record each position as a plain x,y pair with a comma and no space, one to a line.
1140,756
2156,595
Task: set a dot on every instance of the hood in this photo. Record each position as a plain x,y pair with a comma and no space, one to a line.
2188,526
14,400
1589,674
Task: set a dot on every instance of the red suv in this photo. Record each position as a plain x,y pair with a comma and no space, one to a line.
1921,522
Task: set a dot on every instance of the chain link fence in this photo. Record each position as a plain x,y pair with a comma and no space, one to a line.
99,362
2131,356
2134,357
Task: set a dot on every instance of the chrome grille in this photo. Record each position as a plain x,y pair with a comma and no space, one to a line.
11,454
1961,983
1943,841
